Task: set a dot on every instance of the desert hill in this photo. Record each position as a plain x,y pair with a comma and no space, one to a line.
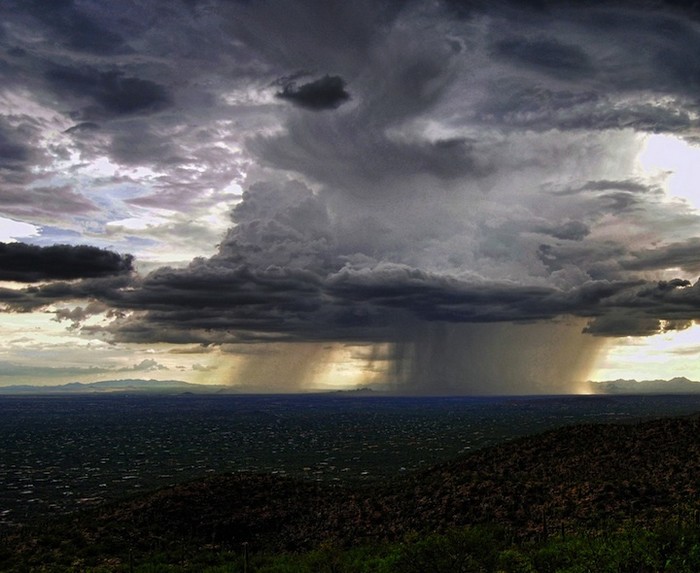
590,477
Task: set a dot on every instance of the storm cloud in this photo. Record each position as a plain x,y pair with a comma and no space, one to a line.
551,57
457,186
29,263
327,92
108,92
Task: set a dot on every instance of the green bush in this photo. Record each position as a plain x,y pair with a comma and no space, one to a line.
457,551
514,561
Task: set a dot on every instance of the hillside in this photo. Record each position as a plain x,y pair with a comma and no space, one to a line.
579,477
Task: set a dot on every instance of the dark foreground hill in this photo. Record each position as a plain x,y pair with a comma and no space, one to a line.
587,477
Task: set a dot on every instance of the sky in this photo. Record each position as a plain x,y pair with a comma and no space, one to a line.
435,197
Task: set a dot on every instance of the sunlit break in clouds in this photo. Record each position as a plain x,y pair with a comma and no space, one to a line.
428,197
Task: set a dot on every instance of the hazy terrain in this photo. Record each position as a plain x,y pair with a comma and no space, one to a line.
62,453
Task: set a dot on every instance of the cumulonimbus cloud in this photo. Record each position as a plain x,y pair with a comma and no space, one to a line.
454,167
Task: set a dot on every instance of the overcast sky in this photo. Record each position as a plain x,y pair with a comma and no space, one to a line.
446,197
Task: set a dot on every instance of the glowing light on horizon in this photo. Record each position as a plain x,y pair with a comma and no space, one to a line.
675,165
345,369
663,356
300,367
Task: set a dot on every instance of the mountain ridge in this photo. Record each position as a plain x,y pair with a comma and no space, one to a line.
115,386
677,385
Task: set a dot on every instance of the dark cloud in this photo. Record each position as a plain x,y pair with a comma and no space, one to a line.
513,103
185,306
570,231
16,154
111,92
364,145
282,273
27,263
363,156
599,260
307,35
324,93
478,170
276,301
647,309
70,26
208,302
624,324
107,289
680,71
547,55
589,71
684,256
440,298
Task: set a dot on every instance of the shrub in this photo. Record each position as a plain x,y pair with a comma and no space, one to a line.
458,551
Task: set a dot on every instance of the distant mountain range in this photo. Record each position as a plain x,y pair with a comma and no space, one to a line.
117,386
134,385
674,386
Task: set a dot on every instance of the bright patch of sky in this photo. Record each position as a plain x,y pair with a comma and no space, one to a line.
677,163
11,231
660,357
36,349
